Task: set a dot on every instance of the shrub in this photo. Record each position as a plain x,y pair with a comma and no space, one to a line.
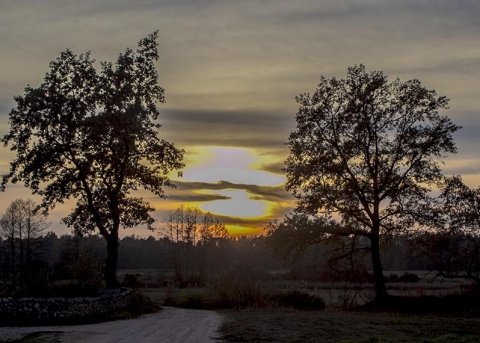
131,281
299,301
230,290
142,304
406,277
196,300
72,289
409,277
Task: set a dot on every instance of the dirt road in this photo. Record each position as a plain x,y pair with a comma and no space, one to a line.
171,325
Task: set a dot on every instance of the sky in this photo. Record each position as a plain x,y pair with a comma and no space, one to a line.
231,70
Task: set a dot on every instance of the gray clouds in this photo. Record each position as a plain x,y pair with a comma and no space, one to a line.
253,129
232,69
268,193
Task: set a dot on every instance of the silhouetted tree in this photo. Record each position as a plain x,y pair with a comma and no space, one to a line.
21,226
93,137
212,233
451,237
362,152
194,235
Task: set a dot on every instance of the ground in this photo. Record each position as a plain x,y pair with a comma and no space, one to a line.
171,325
336,326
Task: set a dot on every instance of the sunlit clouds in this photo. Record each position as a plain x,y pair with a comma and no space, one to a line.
238,165
229,182
238,204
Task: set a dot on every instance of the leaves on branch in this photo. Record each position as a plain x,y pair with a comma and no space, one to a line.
93,136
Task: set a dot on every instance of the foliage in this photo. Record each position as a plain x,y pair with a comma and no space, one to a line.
131,281
69,289
141,304
87,268
406,277
236,289
363,151
194,299
300,300
92,136
451,238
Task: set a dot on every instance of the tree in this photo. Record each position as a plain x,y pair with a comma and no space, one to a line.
362,152
93,136
21,226
193,234
451,237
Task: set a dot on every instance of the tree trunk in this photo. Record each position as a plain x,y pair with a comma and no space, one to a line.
111,261
13,263
380,289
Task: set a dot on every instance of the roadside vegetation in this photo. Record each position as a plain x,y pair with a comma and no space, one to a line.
432,309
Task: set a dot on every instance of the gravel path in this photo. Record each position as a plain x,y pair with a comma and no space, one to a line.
171,325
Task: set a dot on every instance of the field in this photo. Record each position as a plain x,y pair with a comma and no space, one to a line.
335,324
342,326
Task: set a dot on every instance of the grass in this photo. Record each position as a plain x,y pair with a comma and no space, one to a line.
41,337
417,320
346,327
283,323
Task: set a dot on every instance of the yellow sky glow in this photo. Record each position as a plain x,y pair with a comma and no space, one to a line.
240,205
238,166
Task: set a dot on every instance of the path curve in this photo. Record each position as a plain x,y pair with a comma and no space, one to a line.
171,325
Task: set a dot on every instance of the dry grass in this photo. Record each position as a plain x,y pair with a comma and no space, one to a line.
351,327
277,324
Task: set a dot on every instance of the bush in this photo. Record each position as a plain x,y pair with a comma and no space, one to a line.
73,289
406,277
299,301
142,304
131,281
409,277
196,300
230,290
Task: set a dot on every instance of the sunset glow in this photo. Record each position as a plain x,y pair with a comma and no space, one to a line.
237,165
231,72
226,167
239,204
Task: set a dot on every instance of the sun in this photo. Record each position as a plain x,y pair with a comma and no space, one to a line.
233,164
239,204
233,174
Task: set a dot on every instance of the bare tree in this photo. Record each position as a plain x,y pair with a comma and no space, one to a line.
194,235
21,226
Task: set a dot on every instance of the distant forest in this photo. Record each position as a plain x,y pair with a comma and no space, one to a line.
67,256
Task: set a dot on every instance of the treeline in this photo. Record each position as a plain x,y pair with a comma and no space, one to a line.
53,257
192,246
82,258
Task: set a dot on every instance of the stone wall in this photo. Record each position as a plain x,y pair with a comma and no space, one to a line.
62,309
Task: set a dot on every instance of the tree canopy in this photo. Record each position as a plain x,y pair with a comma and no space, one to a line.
451,236
363,151
93,136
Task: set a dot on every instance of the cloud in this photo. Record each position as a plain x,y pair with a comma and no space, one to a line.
274,167
196,197
267,193
232,69
255,129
